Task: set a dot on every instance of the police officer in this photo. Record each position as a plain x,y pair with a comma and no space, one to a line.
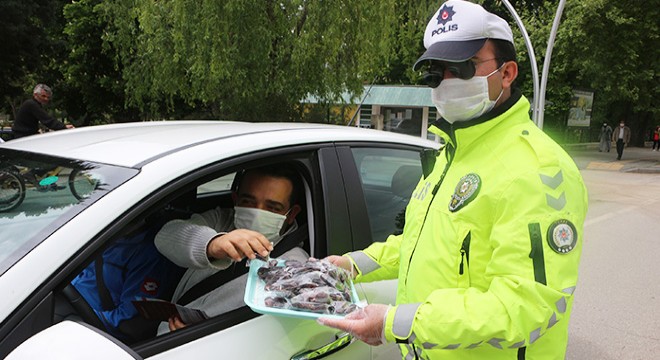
488,260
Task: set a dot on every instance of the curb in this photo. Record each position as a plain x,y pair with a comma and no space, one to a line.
582,146
643,170
594,146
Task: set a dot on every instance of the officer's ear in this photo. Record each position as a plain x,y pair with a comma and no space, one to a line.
509,73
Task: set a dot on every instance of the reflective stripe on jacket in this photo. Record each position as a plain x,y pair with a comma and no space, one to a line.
488,260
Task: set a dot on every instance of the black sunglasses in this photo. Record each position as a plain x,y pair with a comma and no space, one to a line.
464,70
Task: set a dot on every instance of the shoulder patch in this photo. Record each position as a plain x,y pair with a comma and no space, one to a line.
562,236
466,190
150,286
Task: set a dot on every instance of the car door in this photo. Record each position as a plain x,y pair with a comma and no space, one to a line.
344,175
337,179
272,337
240,333
352,186
379,180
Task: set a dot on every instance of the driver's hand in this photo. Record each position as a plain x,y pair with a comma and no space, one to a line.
238,244
175,323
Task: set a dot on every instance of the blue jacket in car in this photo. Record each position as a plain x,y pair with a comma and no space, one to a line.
132,269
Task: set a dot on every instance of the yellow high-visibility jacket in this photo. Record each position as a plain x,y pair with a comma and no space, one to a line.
487,264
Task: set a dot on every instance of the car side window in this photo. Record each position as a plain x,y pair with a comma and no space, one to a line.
388,178
222,183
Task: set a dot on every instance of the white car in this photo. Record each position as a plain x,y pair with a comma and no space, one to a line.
66,195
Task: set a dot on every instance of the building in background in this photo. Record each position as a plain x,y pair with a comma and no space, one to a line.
402,109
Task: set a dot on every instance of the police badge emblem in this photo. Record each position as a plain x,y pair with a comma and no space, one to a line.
466,190
562,236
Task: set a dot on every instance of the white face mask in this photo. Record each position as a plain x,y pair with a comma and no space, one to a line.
461,100
265,222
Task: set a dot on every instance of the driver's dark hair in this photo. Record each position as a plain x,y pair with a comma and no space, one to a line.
280,170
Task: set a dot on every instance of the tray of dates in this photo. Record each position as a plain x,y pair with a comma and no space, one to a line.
291,288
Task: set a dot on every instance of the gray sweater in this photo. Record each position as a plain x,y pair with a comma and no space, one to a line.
184,242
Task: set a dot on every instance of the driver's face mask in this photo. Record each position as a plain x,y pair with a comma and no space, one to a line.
265,222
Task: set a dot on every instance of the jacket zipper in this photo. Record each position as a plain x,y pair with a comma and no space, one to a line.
465,253
450,151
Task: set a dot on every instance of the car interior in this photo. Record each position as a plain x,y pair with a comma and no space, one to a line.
200,195
387,198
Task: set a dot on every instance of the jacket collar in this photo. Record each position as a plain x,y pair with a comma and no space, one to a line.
465,132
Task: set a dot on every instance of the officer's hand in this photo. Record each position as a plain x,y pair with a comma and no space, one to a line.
343,262
238,244
175,323
69,126
366,324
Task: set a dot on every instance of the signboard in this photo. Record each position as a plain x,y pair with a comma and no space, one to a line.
579,113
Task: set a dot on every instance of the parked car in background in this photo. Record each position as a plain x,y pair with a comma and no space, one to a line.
409,127
132,176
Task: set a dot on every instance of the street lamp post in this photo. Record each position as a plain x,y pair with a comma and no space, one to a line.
538,104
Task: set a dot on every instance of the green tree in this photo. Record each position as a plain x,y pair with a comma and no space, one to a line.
407,41
126,60
612,47
247,59
29,32
93,83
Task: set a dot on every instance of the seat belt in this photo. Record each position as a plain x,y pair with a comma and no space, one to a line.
106,299
223,276
107,303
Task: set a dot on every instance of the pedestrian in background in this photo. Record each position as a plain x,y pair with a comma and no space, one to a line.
487,264
621,136
605,138
656,139
31,113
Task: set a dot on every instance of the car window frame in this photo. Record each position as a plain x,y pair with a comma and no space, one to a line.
32,310
358,209
229,319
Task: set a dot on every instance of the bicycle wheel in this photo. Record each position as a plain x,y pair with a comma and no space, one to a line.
12,190
82,185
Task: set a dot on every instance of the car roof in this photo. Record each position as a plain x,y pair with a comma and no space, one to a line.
130,144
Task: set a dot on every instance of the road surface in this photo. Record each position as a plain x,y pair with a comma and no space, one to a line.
616,313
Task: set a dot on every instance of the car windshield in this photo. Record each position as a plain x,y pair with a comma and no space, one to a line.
40,193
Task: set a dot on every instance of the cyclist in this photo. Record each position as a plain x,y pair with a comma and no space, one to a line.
31,113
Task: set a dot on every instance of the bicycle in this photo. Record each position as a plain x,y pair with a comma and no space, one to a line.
14,183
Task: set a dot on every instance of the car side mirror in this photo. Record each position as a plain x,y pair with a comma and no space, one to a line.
72,340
